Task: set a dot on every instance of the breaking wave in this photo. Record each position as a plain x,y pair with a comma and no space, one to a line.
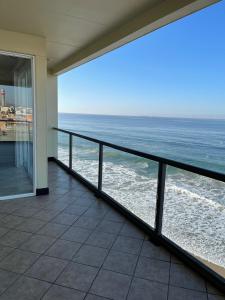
194,207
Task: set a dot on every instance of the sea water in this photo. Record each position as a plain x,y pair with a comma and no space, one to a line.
194,208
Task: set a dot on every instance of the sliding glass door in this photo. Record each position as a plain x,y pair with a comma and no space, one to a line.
16,126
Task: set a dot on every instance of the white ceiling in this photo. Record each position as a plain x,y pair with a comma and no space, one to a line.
75,29
68,25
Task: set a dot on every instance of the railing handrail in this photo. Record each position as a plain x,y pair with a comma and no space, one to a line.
155,232
184,166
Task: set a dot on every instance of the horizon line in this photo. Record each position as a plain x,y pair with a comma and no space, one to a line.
147,116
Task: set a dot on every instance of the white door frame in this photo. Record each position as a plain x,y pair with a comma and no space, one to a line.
32,58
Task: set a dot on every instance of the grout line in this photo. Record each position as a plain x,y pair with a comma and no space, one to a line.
100,268
169,278
133,275
20,274
83,243
206,288
70,261
39,255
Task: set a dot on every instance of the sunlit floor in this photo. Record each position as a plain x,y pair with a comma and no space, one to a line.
70,245
14,181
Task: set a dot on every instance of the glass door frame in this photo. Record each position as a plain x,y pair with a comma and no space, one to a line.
34,139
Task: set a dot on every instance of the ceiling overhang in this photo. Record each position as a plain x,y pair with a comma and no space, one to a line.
146,22
77,31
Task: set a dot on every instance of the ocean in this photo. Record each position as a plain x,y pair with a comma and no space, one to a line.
194,208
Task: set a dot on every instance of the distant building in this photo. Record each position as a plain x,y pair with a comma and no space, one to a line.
4,109
2,97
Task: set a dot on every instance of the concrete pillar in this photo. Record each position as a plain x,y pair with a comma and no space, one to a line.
52,114
41,123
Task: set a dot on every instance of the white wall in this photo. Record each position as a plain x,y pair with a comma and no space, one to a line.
52,114
36,46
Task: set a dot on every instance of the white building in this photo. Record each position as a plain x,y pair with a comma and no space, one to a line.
2,97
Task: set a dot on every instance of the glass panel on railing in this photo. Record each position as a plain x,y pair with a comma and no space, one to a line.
131,181
85,159
63,147
194,216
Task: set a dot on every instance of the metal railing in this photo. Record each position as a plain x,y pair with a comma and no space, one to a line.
156,232
162,166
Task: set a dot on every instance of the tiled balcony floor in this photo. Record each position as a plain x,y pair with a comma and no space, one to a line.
70,245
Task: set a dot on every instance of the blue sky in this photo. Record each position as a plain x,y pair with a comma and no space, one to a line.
178,70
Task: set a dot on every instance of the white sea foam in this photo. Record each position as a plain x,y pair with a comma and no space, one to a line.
194,209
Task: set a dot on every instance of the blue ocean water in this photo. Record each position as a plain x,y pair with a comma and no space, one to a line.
199,142
194,206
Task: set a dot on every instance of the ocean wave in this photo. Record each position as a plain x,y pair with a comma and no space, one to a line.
194,206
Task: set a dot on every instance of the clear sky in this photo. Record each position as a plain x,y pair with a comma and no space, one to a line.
178,70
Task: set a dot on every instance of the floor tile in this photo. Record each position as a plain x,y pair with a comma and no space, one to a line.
63,249
75,209
56,205
155,252
131,230
111,285
143,289
3,231
31,225
7,208
46,215
95,212
120,262
95,227
182,276
85,200
38,243
100,205
76,234
6,279
18,261
59,190
73,194
153,269
94,297
101,239
176,293
2,215
47,268
65,219
11,221
175,260
53,230
4,251
26,289
87,222
62,293
90,255
126,244
78,276
26,212
115,216
109,226
14,238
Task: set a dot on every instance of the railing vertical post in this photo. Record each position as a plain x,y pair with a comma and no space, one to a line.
160,198
100,166
70,150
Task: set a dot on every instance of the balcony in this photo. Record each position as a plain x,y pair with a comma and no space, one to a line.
72,245
87,238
